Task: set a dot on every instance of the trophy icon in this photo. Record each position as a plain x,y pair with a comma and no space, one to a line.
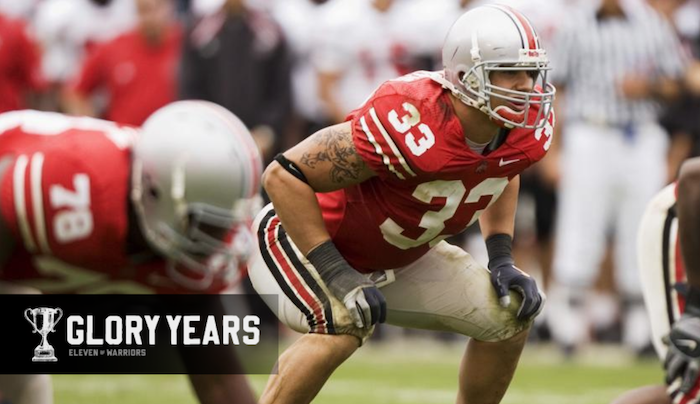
47,321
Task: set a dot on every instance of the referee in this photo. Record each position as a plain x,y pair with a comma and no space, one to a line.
615,63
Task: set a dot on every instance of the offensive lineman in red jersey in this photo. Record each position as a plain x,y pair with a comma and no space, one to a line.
360,210
88,206
669,262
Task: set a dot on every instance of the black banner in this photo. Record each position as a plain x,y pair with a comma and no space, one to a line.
141,334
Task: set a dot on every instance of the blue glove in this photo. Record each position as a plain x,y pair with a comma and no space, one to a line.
360,296
365,302
506,276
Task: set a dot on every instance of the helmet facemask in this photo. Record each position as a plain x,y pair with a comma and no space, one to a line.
204,241
210,243
497,38
195,189
479,93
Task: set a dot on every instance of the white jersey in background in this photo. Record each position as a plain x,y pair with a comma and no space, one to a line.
299,22
362,45
66,27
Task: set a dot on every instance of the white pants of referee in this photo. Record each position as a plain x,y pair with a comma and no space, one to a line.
607,178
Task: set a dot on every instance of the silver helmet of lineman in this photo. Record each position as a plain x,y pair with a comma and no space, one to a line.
195,183
497,38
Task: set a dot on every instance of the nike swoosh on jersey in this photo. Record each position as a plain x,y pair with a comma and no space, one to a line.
506,162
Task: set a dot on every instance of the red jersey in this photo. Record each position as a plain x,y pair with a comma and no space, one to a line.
66,199
429,183
140,77
20,64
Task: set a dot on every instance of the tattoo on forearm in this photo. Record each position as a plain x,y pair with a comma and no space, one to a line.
340,151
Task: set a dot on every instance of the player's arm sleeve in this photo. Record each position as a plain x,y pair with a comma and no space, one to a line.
390,137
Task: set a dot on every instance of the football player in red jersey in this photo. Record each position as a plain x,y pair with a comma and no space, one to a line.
669,262
88,206
360,210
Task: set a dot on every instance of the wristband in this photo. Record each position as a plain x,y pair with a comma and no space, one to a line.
327,260
500,249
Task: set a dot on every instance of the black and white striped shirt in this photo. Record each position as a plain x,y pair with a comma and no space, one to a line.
591,57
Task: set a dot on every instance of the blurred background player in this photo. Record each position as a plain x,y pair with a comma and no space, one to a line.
679,119
668,246
615,61
298,20
136,72
89,206
360,46
68,30
367,204
20,65
239,59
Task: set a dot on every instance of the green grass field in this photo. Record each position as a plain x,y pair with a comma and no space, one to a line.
405,372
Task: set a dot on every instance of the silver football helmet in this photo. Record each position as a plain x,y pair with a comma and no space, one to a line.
195,183
497,38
